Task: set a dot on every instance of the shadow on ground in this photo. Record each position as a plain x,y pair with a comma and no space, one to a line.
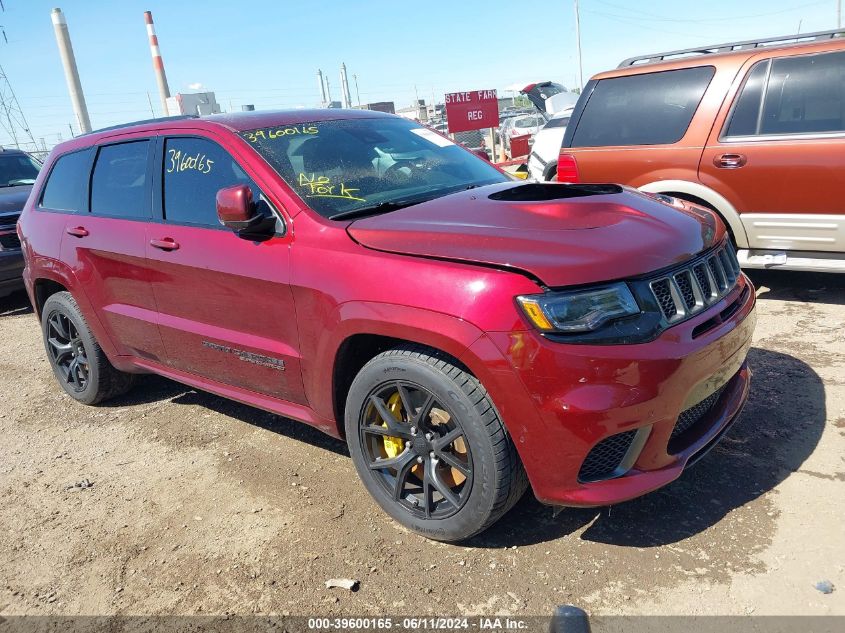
788,285
15,304
152,389
777,431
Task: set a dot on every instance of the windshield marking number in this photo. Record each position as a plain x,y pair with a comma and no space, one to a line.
273,133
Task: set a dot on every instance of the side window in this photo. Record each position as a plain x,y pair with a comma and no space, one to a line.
557,122
746,113
65,187
805,94
118,185
195,170
646,109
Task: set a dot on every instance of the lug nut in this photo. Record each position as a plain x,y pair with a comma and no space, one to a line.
413,430
428,436
419,460
432,455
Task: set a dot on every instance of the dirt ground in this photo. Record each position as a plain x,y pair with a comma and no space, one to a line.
194,504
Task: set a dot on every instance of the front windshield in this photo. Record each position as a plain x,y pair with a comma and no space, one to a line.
18,169
340,167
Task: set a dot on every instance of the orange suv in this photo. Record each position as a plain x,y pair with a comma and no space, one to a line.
754,130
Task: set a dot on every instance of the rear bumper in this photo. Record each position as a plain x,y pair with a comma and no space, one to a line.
582,395
11,271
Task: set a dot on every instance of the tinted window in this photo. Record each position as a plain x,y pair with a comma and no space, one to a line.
649,109
557,122
65,188
805,94
746,112
194,171
17,169
118,186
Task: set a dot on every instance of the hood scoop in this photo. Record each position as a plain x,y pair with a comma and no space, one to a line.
546,192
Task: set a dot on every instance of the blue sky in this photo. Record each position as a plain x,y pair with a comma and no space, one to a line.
268,52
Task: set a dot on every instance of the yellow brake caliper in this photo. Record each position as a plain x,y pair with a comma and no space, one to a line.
394,445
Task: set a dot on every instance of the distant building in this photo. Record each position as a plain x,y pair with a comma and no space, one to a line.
196,103
379,106
416,112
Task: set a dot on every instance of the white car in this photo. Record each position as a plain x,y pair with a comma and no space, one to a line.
525,124
542,162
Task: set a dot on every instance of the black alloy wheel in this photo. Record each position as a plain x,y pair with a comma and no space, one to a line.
429,444
418,448
78,362
67,351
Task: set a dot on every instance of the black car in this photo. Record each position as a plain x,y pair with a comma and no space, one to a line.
18,171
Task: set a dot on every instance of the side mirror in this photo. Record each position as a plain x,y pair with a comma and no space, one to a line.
235,209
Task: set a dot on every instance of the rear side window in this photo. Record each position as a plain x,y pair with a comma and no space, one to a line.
66,184
195,170
746,114
648,109
805,94
119,182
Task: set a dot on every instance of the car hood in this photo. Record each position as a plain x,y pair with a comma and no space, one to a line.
13,198
558,234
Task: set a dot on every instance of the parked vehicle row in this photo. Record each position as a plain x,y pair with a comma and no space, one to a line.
18,171
468,335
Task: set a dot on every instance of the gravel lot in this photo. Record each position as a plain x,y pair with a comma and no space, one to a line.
194,504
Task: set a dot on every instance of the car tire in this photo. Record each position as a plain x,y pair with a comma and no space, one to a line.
78,361
459,468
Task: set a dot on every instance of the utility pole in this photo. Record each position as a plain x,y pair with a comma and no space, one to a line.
839,14
74,86
357,94
578,44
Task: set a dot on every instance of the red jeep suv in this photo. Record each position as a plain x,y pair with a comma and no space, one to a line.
467,334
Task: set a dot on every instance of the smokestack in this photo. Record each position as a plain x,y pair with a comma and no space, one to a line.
158,64
74,86
322,87
344,87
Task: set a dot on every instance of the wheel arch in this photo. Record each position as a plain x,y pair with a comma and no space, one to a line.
698,193
43,288
364,330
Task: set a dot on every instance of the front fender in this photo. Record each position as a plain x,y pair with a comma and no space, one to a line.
416,325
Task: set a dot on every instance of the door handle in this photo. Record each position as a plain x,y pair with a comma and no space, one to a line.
78,231
730,161
165,244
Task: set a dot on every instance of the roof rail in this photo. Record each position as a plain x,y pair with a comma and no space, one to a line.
162,119
802,38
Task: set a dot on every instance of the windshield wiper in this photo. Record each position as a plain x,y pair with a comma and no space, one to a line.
394,205
381,207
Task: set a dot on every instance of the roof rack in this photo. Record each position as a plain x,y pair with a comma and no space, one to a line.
801,38
162,119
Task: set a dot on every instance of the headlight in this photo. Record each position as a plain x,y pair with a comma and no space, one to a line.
579,311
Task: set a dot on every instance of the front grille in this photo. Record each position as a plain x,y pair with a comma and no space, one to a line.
9,241
692,416
693,287
605,457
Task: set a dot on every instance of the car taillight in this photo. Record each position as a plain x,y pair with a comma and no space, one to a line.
567,168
